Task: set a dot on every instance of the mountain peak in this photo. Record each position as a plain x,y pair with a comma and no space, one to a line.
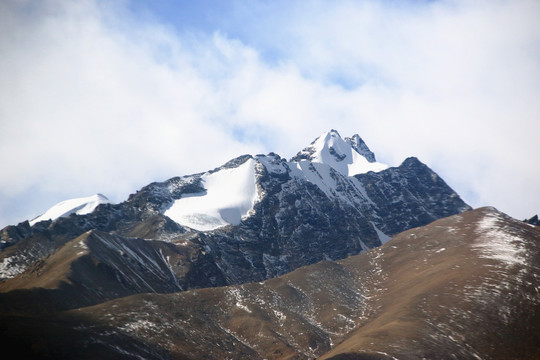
79,206
349,156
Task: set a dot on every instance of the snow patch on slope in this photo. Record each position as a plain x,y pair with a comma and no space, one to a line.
229,197
79,206
382,236
317,174
498,244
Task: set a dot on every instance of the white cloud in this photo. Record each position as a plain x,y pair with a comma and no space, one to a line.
87,108
94,100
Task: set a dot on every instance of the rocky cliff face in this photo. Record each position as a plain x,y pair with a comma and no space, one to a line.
252,219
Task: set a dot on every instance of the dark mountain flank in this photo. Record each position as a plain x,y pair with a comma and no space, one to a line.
463,287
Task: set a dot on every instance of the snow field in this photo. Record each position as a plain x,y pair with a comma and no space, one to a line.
79,206
229,197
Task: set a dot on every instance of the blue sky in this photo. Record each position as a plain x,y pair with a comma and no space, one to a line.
107,96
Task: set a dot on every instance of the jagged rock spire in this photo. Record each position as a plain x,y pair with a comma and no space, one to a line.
360,146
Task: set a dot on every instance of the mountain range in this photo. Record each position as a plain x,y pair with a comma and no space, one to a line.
265,257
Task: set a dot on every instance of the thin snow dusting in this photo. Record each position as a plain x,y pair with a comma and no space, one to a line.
498,244
12,266
235,293
230,196
140,324
79,206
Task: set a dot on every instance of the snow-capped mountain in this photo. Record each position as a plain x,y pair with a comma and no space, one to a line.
275,244
253,218
230,194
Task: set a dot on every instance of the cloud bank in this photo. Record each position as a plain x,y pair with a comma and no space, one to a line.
106,97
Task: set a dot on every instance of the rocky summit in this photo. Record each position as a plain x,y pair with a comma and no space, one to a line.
252,225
